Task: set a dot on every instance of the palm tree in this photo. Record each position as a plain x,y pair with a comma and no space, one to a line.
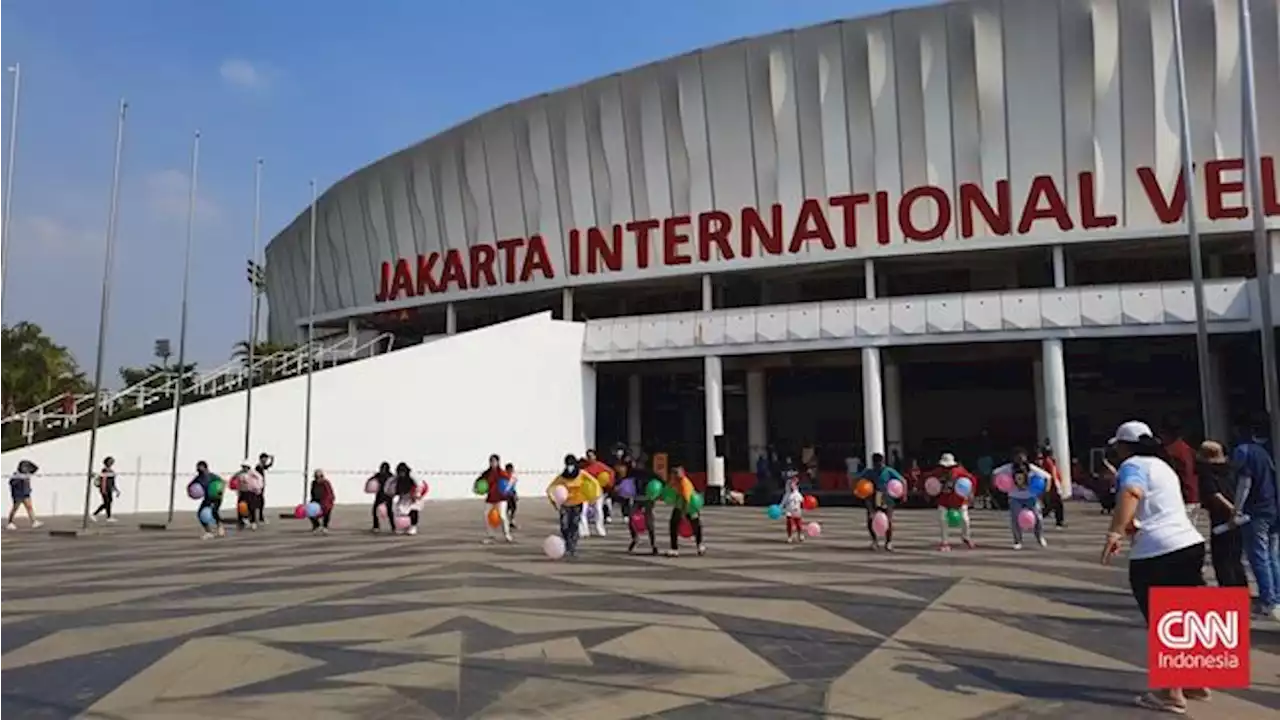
35,368
158,374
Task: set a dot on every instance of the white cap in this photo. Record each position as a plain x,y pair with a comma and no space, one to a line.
1131,432
947,460
246,463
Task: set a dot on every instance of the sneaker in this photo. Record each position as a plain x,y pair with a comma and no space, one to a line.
375,531
508,538
206,535
969,543
413,530
1274,614
10,526
600,530
944,547
253,526
487,540
1160,701
1017,546
631,548
324,531
1201,694
36,525
222,532
93,518
1043,543
800,539
315,531
514,526
112,520
875,545
790,539
888,547
653,550
702,550
672,553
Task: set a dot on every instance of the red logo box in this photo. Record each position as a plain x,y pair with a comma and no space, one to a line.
1198,637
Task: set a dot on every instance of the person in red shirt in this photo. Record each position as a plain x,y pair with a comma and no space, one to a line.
1183,459
603,474
1053,494
948,473
322,494
495,498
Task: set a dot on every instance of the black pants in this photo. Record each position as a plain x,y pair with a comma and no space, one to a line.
872,509
1059,510
413,518
257,508
570,518
512,501
382,501
253,507
1226,550
628,507
316,522
215,506
696,522
107,497
1180,568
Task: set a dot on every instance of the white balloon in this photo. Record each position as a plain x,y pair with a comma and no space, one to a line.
553,546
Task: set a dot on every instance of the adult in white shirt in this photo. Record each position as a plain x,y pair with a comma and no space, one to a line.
1166,550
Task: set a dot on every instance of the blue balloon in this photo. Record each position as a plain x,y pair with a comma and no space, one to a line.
205,515
1036,484
964,487
313,509
504,486
775,512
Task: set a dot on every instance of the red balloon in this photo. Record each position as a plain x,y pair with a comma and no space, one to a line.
810,502
300,511
686,530
234,484
638,522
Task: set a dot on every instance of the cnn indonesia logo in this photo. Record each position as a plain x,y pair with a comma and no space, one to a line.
1199,637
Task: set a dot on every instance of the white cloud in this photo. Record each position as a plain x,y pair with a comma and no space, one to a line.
46,234
168,197
242,74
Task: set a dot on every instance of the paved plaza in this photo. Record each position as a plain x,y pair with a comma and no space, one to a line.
135,625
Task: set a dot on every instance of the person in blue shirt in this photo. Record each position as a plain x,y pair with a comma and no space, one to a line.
1257,500
879,501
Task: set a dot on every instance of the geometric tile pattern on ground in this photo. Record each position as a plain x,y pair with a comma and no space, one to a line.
280,623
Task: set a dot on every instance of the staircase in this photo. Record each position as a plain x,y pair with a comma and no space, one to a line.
65,413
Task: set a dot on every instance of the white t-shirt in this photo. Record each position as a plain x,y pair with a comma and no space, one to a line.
1162,517
1018,493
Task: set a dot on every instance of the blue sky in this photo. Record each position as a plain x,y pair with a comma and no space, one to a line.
317,88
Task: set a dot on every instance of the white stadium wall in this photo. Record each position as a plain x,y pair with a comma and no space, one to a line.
518,388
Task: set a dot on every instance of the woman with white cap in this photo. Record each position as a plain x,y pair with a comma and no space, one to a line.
1166,550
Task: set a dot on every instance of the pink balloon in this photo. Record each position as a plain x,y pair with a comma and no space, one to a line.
553,546
1003,482
933,486
896,489
880,524
300,511
403,522
1026,519
559,494
638,522
813,529
372,486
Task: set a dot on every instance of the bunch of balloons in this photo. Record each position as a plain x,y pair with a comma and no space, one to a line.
308,510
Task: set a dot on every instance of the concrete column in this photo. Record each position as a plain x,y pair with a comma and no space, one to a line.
1037,380
1273,237
566,304
892,406
757,416
1055,407
1218,405
352,330
872,383
635,436
713,383
708,296
1059,267
450,319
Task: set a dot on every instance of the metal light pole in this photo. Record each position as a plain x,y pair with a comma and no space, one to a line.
104,309
255,305
182,327
1261,248
311,333
1193,233
16,69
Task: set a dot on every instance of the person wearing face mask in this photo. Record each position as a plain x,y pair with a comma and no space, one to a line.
407,498
1021,497
572,479
385,480
497,484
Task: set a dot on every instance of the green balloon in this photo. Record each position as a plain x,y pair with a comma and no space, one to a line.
653,490
954,518
215,488
669,495
482,487
695,503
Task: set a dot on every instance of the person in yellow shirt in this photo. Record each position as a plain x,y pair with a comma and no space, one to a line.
578,485
681,510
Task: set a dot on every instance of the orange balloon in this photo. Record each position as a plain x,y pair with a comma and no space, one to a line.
864,489
494,518
243,508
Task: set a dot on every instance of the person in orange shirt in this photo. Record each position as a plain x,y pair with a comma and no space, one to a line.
682,509
573,480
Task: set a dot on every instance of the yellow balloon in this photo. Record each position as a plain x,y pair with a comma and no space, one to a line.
605,478
590,489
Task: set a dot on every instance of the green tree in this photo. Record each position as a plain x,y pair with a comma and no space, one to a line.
35,368
260,350
133,375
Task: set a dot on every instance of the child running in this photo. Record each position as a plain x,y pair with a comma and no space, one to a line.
880,501
571,479
680,510
108,490
949,500
1021,497
513,497
20,494
635,504
323,495
213,487
793,508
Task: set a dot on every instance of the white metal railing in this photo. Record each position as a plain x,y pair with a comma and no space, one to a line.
68,410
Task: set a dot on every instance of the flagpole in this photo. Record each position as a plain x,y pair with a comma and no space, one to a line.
1207,415
255,303
104,314
16,69
1261,248
311,332
182,328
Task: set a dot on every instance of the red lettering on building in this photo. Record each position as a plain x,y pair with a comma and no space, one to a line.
714,235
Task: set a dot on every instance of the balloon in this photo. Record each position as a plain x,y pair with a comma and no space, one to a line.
880,523
864,489
481,488
669,495
626,488
605,478
195,491
234,484
895,489
242,509
964,487
654,489
813,529
494,518
1026,519
696,501
421,490
686,529
1003,482
553,547
638,523
590,513
313,509
590,489
933,486
403,522
206,516
809,502
955,518
215,488
1036,484
504,486
559,494
774,512
300,511
372,486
